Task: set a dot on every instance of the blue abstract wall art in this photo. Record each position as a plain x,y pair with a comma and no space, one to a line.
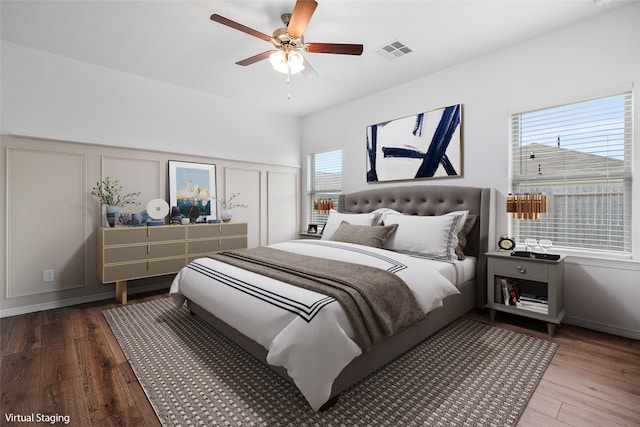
427,145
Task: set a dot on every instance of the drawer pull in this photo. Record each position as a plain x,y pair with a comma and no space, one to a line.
219,241
521,269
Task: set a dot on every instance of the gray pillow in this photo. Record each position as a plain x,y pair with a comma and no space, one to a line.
462,235
367,235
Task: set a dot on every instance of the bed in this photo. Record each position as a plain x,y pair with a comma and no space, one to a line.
313,342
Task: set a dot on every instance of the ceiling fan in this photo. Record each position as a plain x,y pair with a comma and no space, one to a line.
289,41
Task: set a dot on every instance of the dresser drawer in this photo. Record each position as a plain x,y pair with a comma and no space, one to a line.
114,273
133,235
516,268
216,245
140,252
202,231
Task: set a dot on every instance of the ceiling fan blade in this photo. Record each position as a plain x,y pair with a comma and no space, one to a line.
233,24
255,58
308,70
338,48
300,17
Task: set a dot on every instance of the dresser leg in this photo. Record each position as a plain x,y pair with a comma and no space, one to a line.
492,315
121,291
551,329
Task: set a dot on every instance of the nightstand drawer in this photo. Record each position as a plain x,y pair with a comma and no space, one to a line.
524,269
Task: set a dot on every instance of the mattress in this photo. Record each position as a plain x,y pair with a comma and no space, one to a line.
306,332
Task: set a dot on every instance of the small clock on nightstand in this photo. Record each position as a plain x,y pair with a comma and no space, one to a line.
506,243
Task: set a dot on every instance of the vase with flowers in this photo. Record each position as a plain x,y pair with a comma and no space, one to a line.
109,192
226,206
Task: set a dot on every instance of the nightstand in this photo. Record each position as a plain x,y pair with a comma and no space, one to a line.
540,284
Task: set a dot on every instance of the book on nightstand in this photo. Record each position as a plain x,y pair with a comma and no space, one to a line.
534,303
510,291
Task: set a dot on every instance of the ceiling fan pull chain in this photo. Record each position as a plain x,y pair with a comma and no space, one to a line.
289,83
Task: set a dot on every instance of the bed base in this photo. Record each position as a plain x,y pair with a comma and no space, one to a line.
410,200
362,366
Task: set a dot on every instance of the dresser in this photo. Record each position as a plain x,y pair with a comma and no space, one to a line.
129,253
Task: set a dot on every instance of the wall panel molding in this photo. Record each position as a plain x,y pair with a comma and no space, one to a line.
248,183
46,196
282,206
48,219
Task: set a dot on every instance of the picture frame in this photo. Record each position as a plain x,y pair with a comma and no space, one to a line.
422,146
193,184
312,229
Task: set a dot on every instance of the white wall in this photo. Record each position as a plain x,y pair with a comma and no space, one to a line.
51,96
588,59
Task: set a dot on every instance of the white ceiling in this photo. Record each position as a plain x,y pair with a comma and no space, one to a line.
176,42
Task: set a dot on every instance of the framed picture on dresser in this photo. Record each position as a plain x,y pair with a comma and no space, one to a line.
193,184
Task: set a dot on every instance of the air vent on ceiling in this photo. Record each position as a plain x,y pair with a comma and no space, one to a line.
393,50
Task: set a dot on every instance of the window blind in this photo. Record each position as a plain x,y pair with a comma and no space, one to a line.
579,155
324,181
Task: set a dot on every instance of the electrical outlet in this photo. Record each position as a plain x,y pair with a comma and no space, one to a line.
47,276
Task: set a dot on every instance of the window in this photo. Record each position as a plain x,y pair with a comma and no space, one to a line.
324,181
579,155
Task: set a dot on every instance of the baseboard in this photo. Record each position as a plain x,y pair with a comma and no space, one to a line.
600,327
8,312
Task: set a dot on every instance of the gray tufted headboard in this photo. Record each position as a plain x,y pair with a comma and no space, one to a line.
433,200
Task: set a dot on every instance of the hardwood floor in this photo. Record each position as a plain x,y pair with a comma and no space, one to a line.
67,362
592,380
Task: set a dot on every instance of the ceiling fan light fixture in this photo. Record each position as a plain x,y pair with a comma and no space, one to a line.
291,62
278,60
296,61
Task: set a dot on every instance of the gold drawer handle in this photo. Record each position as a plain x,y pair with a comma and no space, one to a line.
521,269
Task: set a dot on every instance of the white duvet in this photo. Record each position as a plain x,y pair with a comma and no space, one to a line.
305,332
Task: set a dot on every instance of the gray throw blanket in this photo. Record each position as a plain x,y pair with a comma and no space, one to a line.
378,303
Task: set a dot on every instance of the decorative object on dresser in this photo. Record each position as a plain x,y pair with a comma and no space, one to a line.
531,287
469,373
109,192
227,205
128,253
139,219
158,209
193,184
426,145
175,215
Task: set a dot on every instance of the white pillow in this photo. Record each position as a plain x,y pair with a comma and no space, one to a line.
464,214
431,236
336,218
380,213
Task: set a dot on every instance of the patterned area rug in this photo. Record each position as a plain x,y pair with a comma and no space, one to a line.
468,374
